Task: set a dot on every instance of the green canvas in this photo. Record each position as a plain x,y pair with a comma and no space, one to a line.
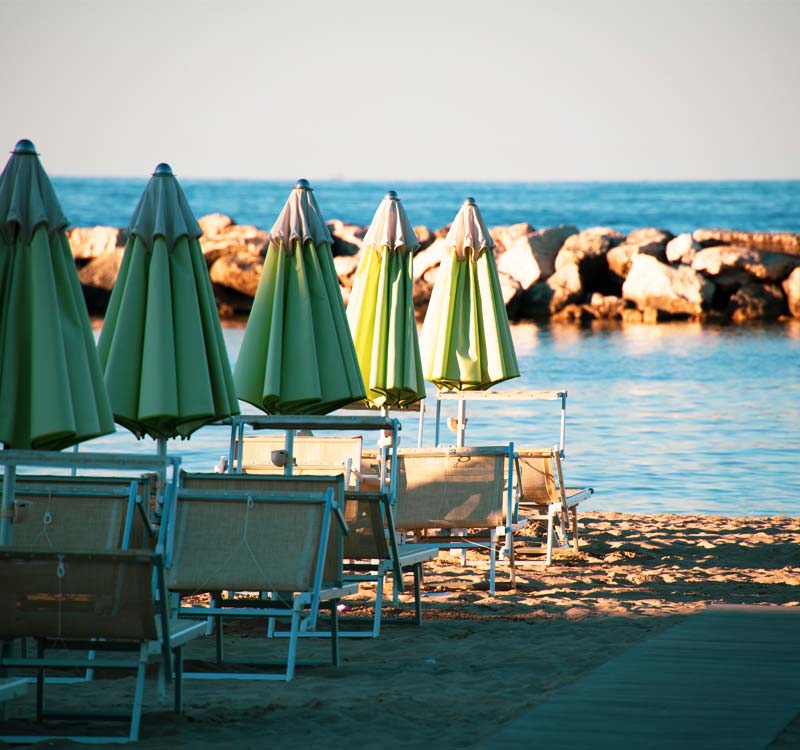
465,339
161,348
297,355
381,316
51,384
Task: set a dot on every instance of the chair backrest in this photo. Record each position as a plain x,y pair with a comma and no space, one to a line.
245,540
367,517
450,487
535,478
314,456
73,517
78,595
288,487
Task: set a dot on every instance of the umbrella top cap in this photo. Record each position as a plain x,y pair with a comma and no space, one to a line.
470,201
162,169
303,184
391,196
25,147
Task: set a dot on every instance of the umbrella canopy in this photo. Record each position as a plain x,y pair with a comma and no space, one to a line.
297,355
381,310
465,339
166,368
51,384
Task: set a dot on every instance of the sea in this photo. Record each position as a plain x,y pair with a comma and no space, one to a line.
673,418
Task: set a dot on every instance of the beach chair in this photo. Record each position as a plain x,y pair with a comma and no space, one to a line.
313,456
542,497
466,491
67,515
243,540
114,603
369,549
372,552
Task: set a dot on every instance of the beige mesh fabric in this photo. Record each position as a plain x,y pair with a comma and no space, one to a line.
245,545
536,477
287,487
446,489
94,598
366,538
314,456
73,521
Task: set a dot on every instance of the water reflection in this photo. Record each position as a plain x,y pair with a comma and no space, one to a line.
668,418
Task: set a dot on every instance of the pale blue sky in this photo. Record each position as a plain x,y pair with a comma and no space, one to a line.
464,90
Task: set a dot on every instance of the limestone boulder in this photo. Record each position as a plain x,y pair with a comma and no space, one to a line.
346,266
606,307
588,246
505,236
429,258
756,301
546,298
732,261
347,238
787,243
682,249
88,243
511,291
791,288
531,257
223,236
678,291
424,237
650,236
239,271
620,258
97,279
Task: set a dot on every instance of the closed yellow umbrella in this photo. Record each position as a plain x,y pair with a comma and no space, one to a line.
465,339
381,310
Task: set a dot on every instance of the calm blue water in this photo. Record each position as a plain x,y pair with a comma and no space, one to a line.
677,206
674,417
670,418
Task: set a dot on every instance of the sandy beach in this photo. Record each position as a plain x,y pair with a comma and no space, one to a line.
478,661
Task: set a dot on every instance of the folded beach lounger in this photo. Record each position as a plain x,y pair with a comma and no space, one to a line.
249,540
543,497
114,603
313,456
457,489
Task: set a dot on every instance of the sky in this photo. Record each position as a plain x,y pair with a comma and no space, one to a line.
528,90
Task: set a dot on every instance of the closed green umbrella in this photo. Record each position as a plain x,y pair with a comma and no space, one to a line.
51,385
381,310
166,367
465,339
297,354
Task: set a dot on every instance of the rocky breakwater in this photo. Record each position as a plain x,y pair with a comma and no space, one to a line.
557,273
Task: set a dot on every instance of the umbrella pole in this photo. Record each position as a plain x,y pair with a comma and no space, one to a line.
289,445
7,512
384,453
462,423
161,483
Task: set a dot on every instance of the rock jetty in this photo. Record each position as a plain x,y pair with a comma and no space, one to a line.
557,273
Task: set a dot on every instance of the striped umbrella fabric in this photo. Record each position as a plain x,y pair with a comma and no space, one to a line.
465,339
381,310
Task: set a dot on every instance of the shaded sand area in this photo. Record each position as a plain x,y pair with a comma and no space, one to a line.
478,662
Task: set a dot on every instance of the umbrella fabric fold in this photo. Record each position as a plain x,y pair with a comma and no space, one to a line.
465,340
161,348
51,384
381,310
297,355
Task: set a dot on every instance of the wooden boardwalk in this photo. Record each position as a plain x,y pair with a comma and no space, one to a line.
728,677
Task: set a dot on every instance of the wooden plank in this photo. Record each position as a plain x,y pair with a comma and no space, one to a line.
728,678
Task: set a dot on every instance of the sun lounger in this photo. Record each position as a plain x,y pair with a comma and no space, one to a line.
456,489
313,456
543,497
90,600
80,516
247,540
